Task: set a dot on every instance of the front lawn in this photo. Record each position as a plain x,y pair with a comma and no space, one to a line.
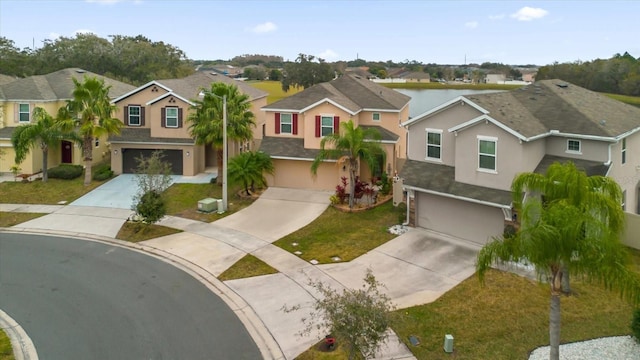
52,192
6,352
8,219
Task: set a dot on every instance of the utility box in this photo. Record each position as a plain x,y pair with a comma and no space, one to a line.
208,205
448,343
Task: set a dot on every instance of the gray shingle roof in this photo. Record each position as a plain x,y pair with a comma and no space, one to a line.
386,134
352,92
589,167
56,86
143,135
557,105
286,147
189,87
441,178
5,132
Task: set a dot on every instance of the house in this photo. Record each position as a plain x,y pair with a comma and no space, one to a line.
18,99
417,76
464,154
155,118
294,127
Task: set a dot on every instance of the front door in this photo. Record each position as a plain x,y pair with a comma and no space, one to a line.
67,152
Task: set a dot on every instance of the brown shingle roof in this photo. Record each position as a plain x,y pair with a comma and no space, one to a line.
589,167
143,135
190,86
287,147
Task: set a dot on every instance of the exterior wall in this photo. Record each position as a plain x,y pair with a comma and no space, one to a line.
466,220
297,174
140,98
509,157
307,123
6,157
590,149
191,165
627,175
260,119
631,236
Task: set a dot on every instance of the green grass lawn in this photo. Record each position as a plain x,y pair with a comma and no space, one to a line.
50,193
6,352
246,267
8,219
274,88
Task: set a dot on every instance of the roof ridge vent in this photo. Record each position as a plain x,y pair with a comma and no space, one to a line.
563,85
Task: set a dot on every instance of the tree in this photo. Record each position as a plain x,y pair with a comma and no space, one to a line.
357,318
91,111
306,72
43,133
349,146
206,120
153,176
248,169
570,223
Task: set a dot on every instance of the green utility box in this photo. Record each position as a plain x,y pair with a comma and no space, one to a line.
208,205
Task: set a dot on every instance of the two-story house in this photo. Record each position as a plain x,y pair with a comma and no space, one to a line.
464,154
155,118
18,99
295,126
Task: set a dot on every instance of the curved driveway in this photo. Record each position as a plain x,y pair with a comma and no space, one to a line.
86,300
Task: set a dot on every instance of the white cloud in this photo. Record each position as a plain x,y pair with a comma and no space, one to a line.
328,55
53,36
471,24
264,28
528,14
496,17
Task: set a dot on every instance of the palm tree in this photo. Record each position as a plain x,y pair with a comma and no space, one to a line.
248,169
91,111
44,132
206,119
569,222
350,145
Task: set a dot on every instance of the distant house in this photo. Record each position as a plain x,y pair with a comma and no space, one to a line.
495,78
294,127
18,99
464,154
416,76
155,115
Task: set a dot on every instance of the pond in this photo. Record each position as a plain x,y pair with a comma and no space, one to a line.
423,100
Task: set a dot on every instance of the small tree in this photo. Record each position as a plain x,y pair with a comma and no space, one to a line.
248,168
153,176
357,318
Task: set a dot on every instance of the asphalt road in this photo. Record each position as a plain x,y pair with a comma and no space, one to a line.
86,300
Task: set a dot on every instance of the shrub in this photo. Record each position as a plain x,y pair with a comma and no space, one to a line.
151,207
385,184
635,325
65,171
102,172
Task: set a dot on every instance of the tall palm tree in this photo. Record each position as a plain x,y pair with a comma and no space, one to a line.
45,132
206,120
350,145
91,111
571,222
248,168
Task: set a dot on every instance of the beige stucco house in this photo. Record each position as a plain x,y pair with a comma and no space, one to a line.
155,118
464,154
294,127
18,99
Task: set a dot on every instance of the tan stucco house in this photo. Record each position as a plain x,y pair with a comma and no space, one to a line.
464,154
18,99
294,127
155,118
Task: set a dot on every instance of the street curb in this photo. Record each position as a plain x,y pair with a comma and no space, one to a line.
263,338
21,344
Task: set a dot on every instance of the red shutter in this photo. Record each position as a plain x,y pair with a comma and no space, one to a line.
141,115
179,117
295,124
277,123
336,124
162,117
126,115
317,125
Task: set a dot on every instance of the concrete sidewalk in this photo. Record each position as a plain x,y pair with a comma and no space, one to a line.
416,267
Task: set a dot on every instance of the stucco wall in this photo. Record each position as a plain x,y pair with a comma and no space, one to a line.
632,234
590,149
627,175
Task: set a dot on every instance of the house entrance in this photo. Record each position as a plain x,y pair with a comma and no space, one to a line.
67,152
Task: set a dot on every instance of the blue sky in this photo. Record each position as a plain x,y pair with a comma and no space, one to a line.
442,32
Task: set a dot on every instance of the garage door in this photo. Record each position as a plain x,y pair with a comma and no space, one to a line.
462,219
130,164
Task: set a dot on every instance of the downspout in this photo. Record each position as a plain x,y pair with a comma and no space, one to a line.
609,155
406,222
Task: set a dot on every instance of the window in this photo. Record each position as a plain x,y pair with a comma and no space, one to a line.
326,127
134,116
624,150
97,142
23,113
376,116
286,124
573,146
171,117
487,154
434,144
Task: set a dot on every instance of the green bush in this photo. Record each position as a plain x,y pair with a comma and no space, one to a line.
151,207
65,171
635,325
102,172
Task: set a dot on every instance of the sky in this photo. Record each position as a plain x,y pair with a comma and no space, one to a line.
442,32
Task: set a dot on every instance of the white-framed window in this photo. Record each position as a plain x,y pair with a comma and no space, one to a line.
624,150
487,153
24,113
134,116
326,125
171,117
434,144
375,116
573,146
286,123
624,200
